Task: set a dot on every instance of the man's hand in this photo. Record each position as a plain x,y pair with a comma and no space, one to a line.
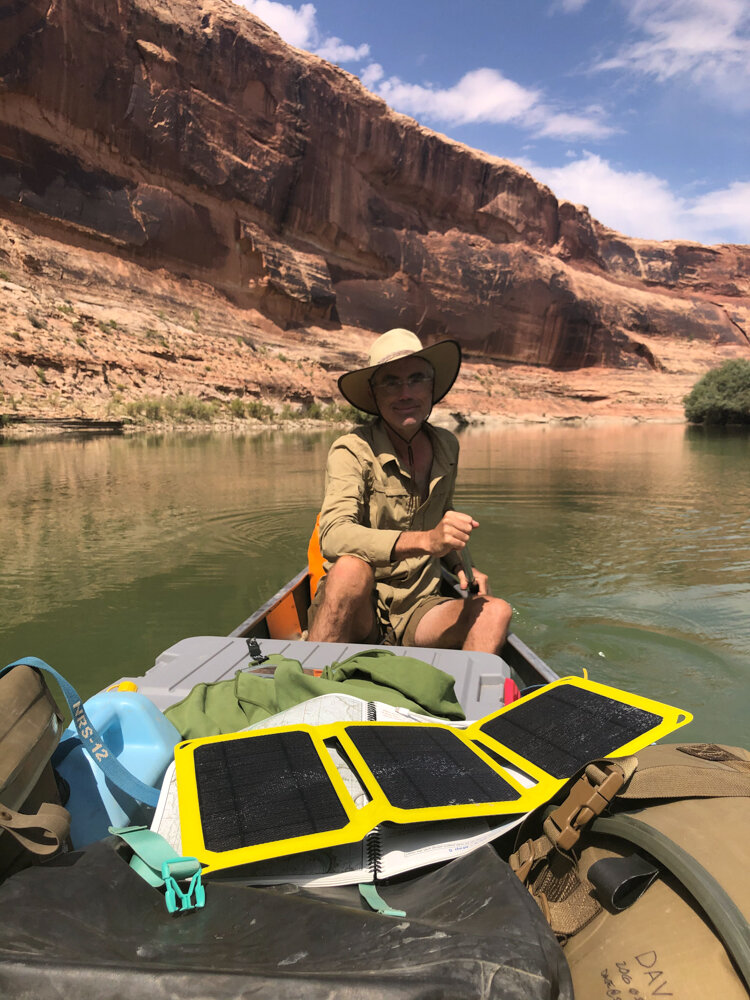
452,533
481,580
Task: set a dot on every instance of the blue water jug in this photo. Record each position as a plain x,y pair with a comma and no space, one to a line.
141,738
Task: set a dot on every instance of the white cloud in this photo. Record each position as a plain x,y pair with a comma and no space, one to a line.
371,74
640,204
299,27
727,210
572,6
336,51
483,95
706,41
559,125
486,96
296,26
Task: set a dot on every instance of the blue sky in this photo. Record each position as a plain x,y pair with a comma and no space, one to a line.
639,109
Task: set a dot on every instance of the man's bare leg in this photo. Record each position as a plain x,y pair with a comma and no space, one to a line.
476,623
346,614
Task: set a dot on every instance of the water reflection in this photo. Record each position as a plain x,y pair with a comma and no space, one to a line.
624,550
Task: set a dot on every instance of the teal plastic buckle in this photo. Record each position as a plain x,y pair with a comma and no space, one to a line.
193,898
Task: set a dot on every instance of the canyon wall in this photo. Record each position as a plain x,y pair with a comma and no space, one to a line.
188,137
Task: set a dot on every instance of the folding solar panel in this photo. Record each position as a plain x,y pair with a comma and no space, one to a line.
267,793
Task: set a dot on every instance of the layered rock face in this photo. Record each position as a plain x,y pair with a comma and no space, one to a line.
188,136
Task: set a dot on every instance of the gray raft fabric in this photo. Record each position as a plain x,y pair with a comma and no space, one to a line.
90,927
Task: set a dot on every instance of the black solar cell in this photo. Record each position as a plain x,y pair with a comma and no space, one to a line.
563,728
271,787
423,766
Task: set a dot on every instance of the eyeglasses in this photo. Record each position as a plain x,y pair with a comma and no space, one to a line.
390,384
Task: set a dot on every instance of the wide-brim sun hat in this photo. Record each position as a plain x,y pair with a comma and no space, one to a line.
445,358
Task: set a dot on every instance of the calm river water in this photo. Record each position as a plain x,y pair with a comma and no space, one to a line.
623,550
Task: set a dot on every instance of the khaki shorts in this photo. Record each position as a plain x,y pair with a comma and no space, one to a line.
383,633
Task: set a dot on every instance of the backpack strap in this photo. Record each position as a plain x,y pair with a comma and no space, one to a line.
683,781
42,833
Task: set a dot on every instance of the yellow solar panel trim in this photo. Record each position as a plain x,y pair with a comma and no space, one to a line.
357,823
356,828
672,718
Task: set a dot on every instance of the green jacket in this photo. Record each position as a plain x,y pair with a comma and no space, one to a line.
374,675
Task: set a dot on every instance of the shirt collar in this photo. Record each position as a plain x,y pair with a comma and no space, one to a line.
382,447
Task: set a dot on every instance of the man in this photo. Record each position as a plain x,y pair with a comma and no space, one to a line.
387,518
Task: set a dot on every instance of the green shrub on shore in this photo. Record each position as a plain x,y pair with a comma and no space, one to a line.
721,396
175,409
259,411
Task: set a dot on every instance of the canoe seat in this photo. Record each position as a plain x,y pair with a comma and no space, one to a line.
315,559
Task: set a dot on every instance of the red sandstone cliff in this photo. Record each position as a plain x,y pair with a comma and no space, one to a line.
186,142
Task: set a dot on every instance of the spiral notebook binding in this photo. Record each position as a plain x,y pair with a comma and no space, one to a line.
374,852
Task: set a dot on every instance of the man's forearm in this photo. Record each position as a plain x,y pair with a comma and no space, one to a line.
451,533
412,543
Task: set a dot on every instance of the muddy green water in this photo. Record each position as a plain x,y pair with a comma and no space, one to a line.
623,550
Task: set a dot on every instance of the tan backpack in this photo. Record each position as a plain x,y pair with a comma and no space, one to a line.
643,872
33,824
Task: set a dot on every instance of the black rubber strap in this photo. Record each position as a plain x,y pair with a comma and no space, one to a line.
619,882
728,921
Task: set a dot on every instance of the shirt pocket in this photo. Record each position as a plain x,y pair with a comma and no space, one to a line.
391,506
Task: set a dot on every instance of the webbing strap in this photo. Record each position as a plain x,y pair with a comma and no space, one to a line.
729,922
154,860
91,738
685,782
42,833
150,852
546,865
551,873
375,901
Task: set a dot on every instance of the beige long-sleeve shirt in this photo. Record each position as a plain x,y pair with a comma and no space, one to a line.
369,500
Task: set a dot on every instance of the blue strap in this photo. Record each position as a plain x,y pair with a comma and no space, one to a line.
92,739
154,860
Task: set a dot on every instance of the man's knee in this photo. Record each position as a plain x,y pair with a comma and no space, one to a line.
500,610
493,615
344,611
350,579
